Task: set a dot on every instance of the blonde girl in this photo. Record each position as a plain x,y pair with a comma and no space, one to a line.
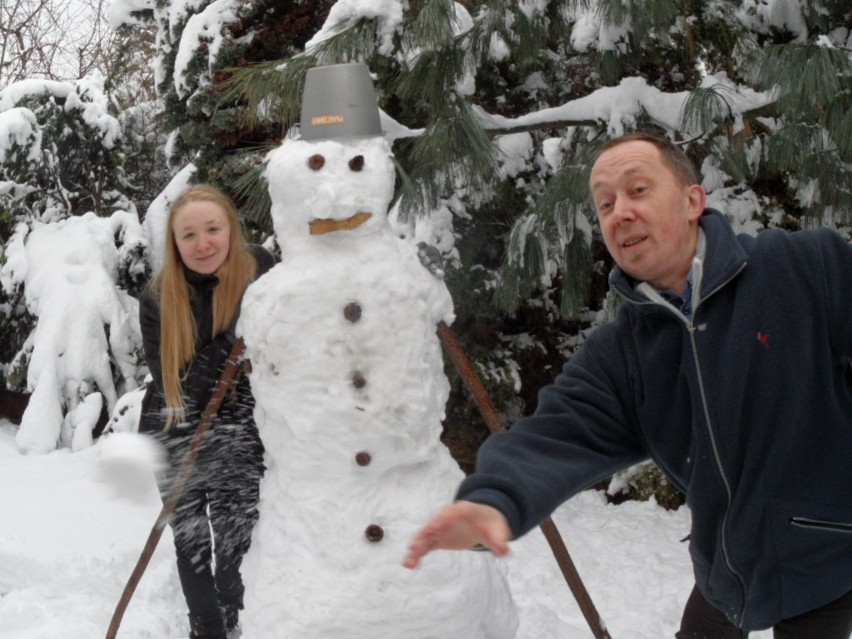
187,316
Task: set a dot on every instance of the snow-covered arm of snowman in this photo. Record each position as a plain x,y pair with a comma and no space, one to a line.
463,525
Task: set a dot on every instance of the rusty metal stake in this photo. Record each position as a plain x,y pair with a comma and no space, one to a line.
221,388
551,533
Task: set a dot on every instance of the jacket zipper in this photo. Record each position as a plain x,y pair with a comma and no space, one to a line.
808,522
691,328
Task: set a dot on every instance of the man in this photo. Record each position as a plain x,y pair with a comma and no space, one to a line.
729,365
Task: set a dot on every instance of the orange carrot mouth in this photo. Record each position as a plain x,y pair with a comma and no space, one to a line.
326,225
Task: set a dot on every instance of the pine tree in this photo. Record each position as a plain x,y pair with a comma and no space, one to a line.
195,47
506,103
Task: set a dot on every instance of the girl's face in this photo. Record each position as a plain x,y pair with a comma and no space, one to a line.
203,235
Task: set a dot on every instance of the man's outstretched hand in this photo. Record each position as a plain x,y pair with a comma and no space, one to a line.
461,525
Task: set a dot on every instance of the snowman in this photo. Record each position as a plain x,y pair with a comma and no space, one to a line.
347,373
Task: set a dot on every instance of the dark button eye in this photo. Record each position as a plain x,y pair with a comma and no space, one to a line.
363,458
357,163
352,312
374,533
358,380
316,162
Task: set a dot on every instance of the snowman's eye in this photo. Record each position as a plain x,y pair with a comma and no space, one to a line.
357,163
316,162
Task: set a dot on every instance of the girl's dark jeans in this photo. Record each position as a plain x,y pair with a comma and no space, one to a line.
213,520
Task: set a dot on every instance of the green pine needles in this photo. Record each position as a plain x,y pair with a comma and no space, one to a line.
458,77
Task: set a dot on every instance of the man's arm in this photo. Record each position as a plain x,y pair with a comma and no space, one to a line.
581,432
584,429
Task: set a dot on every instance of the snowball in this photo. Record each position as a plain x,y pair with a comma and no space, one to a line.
129,462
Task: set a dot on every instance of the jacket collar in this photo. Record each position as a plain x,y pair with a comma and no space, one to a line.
724,259
200,281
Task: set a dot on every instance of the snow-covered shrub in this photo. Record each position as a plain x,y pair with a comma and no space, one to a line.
68,313
643,482
61,150
84,351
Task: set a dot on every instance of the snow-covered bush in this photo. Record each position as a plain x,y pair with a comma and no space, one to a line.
61,150
84,351
642,482
74,256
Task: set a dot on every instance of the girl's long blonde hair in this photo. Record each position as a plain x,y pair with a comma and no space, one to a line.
178,330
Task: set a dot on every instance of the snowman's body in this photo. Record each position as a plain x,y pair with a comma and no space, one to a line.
350,390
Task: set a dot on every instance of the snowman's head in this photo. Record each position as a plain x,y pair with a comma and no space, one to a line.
329,187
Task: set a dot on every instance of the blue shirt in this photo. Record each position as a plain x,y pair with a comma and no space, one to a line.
683,303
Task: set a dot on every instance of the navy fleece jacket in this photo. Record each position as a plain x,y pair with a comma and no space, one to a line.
747,409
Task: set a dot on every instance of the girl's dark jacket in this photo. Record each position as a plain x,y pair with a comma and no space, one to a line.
747,409
205,370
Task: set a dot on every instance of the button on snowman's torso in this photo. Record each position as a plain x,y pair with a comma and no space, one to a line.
350,390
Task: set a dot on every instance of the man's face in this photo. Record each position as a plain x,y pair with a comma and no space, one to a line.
648,218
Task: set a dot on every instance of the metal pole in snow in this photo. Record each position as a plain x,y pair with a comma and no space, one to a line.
551,533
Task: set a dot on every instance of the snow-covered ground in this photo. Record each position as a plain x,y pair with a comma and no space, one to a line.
68,543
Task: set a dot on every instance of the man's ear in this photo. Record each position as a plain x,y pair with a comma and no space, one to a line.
697,201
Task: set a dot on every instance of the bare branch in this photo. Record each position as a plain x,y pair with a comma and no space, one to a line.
55,39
